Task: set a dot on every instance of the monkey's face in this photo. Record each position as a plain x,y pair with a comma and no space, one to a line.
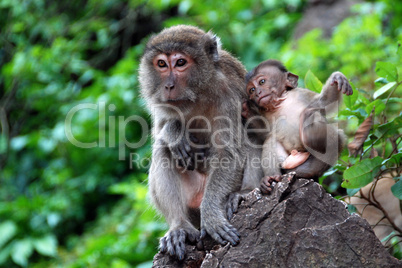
173,69
267,87
179,67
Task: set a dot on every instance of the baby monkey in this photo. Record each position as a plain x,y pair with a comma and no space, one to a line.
300,138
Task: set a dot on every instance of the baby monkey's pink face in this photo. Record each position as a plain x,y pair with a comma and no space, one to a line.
267,86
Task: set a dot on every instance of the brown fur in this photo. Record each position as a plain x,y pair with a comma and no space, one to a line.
296,119
209,89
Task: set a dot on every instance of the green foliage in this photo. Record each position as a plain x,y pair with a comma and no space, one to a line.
312,82
53,190
124,235
385,139
63,205
356,45
386,70
397,189
361,174
385,135
383,89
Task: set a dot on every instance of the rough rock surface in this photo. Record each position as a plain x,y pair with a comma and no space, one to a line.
298,225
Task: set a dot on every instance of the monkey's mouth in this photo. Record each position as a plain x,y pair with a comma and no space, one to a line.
270,102
264,97
177,101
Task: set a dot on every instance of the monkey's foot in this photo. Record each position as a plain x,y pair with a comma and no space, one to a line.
220,230
343,83
268,183
295,159
233,202
174,241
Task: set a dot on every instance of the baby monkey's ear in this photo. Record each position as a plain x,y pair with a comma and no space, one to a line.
291,80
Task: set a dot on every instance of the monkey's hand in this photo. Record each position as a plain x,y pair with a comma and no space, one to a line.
343,83
174,241
268,183
219,229
245,110
186,156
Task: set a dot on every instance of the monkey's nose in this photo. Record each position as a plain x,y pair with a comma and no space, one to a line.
169,86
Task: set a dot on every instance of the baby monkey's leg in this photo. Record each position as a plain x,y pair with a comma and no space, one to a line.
295,159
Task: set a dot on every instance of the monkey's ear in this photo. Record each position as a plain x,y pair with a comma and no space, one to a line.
291,80
212,45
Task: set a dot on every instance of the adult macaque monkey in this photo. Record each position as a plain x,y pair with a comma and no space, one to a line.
297,120
194,90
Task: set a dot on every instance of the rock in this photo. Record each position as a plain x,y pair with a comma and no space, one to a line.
298,225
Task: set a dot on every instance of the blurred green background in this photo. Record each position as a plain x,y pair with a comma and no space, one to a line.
66,206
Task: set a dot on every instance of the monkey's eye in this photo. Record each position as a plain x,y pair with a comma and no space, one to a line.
262,81
161,63
181,62
251,90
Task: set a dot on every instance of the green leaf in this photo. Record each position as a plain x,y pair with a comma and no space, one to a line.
389,129
352,191
330,172
395,100
352,208
312,82
5,253
381,80
46,245
379,107
397,189
363,99
362,173
7,230
21,251
351,99
361,114
18,143
3,143
386,70
394,159
383,89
